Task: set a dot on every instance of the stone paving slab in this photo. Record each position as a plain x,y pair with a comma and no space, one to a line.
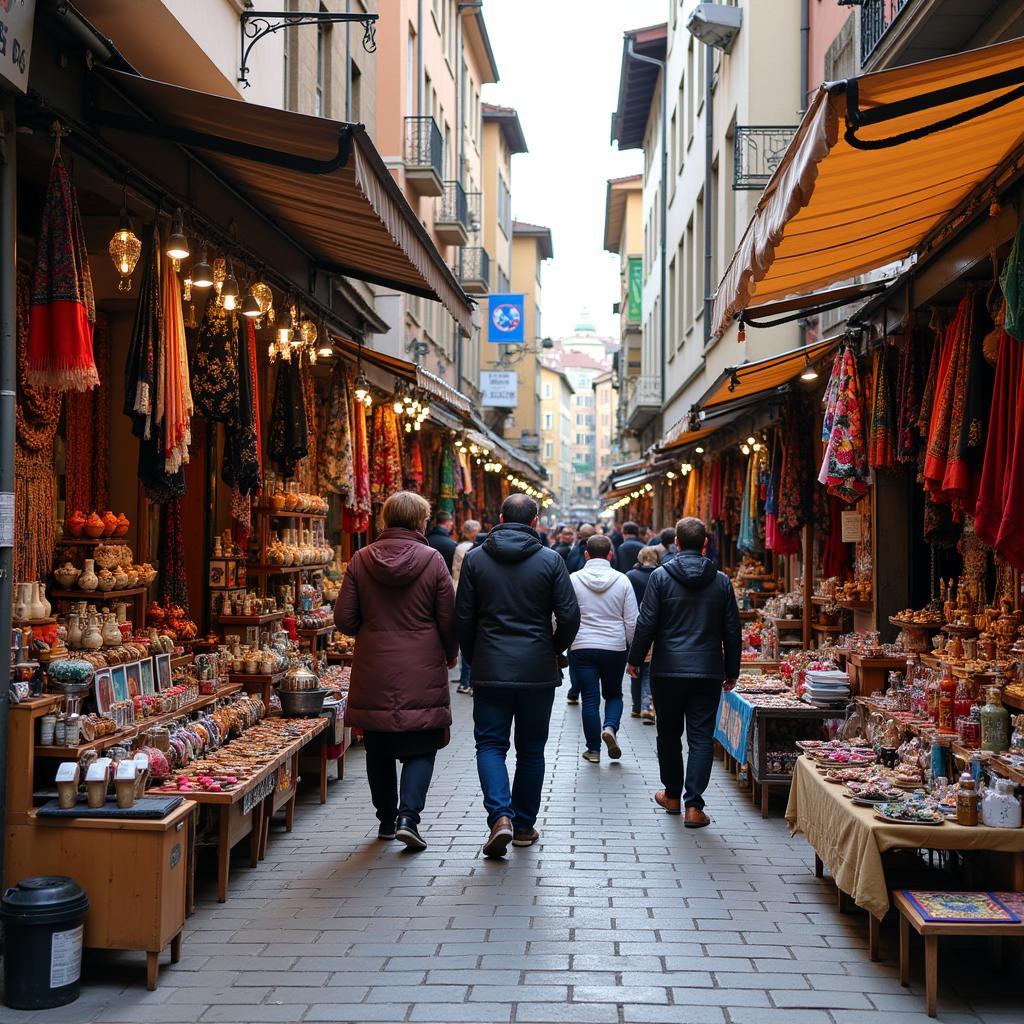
618,916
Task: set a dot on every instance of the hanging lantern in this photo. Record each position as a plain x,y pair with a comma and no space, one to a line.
125,250
362,388
308,332
265,297
177,243
251,305
229,288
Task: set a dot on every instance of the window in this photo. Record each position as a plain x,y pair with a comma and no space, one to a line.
689,273
716,247
548,391
672,136
410,73
549,421
700,57
549,449
504,208
503,282
680,142
691,106
673,309
681,307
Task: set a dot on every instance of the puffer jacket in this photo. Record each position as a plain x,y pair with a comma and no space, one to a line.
607,607
509,589
689,614
397,600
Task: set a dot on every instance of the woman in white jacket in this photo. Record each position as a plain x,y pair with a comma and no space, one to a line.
608,614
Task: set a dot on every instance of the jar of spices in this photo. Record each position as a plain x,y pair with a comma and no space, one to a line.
966,801
47,724
60,731
995,723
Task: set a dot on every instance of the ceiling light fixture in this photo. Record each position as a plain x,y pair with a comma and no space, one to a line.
125,249
809,372
229,289
177,243
202,272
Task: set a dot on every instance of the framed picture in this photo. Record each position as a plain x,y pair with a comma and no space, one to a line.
119,681
104,688
134,670
218,574
163,671
148,679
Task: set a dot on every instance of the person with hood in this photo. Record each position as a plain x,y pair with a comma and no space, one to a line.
640,688
690,616
440,537
607,621
516,614
397,600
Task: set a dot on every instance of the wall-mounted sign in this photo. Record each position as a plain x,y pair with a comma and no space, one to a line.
851,527
16,18
635,298
500,389
506,321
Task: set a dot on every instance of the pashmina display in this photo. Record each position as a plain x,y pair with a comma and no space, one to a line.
60,352
795,476
415,472
175,407
87,431
447,490
335,475
1011,281
881,446
844,469
356,513
386,471
242,468
216,365
289,429
173,574
307,469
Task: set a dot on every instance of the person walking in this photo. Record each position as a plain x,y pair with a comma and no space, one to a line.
470,532
564,541
397,600
625,557
440,537
689,615
608,614
668,545
516,614
640,687
576,558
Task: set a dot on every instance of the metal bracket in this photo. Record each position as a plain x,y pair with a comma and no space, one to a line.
255,25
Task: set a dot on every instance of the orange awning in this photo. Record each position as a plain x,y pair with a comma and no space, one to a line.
686,438
839,204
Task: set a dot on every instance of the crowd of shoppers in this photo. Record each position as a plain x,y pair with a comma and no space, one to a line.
520,609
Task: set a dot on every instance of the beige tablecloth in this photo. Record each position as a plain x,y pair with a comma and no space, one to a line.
850,840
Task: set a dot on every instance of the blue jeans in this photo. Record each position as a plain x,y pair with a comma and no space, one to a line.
464,673
640,689
574,683
599,674
495,709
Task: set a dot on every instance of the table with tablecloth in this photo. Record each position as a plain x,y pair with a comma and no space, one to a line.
850,840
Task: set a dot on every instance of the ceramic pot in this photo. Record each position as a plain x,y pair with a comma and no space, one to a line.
39,602
74,640
94,526
109,523
67,575
122,525
111,631
120,578
70,675
105,580
92,638
88,580
121,611
23,601
75,524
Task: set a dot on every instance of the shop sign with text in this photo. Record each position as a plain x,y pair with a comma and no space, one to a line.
16,17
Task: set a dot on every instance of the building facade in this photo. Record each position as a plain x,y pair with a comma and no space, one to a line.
606,401
556,416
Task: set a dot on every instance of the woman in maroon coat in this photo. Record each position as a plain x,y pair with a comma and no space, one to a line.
397,600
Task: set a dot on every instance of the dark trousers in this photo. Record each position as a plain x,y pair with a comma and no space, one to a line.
388,798
574,684
599,674
640,689
690,706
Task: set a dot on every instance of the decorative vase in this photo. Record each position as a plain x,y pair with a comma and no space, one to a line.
111,631
88,580
120,578
74,640
92,638
66,576
121,611
105,580
94,526
23,601
75,524
109,523
47,607
122,525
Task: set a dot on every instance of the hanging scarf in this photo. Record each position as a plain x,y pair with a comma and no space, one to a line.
289,429
241,467
415,475
844,469
60,352
1011,281
386,470
173,573
87,431
446,493
746,541
216,365
177,405
335,474
881,447
908,398
831,396
794,495
356,514
835,556
715,506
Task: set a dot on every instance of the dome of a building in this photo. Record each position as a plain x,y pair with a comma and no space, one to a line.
585,326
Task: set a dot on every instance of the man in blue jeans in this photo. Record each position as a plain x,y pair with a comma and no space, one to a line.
516,614
689,614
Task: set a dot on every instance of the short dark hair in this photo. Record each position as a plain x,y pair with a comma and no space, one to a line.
599,546
631,529
691,534
667,537
443,516
519,508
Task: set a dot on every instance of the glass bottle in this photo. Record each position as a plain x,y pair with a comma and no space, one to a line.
995,723
946,719
966,801
964,701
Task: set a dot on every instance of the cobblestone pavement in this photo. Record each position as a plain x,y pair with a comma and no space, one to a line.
618,915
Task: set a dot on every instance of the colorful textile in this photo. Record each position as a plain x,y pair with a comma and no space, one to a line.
87,432
746,541
289,426
835,556
794,495
356,513
60,354
216,359
968,907
831,396
715,506
446,492
173,573
844,469
881,446
386,468
335,473
937,327
1011,280
177,404
415,474
1009,540
241,467
908,398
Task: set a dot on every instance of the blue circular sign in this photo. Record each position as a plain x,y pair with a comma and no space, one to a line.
506,317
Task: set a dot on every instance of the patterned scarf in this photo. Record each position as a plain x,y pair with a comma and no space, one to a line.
844,469
335,472
908,399
216,365
386,471
881,449
289,428
356,514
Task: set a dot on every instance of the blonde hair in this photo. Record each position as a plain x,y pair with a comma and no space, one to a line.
405,509
648,556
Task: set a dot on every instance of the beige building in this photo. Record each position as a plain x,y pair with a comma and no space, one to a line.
606,403
556,396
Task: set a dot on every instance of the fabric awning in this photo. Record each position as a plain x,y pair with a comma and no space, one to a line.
918,142
323,182
688,437
624,487
739,383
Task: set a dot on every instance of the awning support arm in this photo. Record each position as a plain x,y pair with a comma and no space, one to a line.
815,310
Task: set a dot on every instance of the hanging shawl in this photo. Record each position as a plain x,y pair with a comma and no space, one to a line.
795,488
465,473
87,432
356,513
831,396
908,398
881,447
177,405
173,573
306,471
335,474
216,362
1011,280
386,471
289,430
715,508
446,493
415,474
241,467
747,538
835,556
844,469
60,352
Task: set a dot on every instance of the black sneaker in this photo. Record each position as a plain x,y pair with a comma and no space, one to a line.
386,831
572,700
408,833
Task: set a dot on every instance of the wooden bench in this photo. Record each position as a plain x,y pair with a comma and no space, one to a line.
910,917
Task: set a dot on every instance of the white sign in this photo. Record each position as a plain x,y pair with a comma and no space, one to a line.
851,527
16,17
500,388
66,952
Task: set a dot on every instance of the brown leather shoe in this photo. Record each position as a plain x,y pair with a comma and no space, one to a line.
525,836
498,840
696,818
671,806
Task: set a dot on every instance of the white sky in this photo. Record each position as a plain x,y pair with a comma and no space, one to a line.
559,66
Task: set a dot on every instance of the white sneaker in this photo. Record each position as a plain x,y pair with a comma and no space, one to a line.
593,756
611,742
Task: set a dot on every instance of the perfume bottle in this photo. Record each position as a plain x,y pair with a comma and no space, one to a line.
946,719
995,723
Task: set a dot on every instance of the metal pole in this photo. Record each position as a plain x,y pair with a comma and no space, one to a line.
419,58
709,186
805,38
8,399
348,67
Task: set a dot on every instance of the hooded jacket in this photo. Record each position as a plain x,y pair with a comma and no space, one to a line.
608,607
689,614
511,588
397,600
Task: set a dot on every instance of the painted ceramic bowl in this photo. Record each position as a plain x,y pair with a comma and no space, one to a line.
70,675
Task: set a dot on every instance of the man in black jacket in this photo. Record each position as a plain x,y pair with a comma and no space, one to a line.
509,589
625,557
440,537
689,613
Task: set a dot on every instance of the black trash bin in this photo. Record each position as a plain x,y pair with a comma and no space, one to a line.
43,921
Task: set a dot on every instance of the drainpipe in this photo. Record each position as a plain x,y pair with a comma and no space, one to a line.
8,378
805,39
663,213
709,185
419,58
348,67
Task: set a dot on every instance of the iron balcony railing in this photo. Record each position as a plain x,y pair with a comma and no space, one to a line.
424,147
475,208
757,150
643,398
475,265
454,205
875,18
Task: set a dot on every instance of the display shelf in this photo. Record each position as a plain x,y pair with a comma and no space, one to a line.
1013,701
94,595
750,615
181,660
924,627
285,514
787,623
35,622
273,570
319,631
249,620
820,628
90,542
857,606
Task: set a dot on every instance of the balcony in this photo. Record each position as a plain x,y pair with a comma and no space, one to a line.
642,399
475,270
875,18
475,206
424,156
757,151
452,223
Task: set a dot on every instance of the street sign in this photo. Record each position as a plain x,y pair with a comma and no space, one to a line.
16,17
634,305
506,322
500,388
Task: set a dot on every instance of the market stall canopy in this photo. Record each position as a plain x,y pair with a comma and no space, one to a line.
919,142
686,438
629,485
323,182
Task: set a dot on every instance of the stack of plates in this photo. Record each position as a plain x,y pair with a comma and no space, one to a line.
826,688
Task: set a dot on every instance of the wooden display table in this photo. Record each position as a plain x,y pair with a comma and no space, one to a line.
259,683
315,637
869,675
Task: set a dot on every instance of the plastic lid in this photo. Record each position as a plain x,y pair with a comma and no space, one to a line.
43,899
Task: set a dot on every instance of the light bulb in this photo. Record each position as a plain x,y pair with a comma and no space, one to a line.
745,448
751,439
362,388
177,243
397,406
284,336
250,306
326,351
202,272
699,450
229,289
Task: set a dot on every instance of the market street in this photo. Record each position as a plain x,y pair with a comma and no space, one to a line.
618,915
